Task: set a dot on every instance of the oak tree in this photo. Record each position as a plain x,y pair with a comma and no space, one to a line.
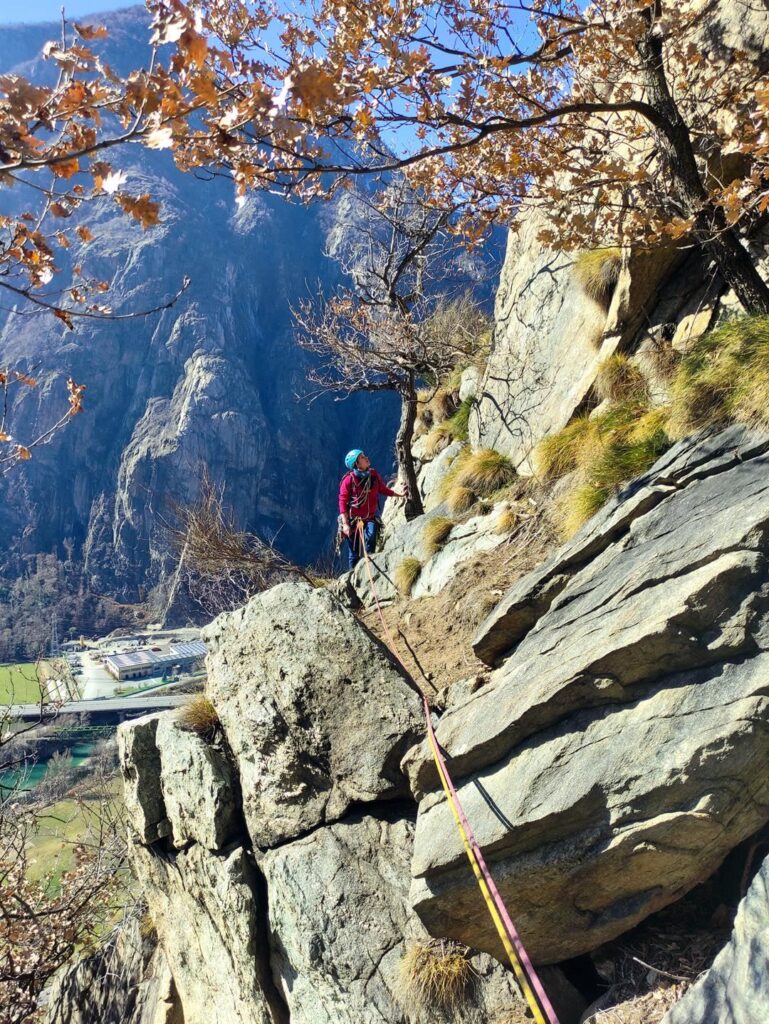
618,118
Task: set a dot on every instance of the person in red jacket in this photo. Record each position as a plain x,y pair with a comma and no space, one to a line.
359,494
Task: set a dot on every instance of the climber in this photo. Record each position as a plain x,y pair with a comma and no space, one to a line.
359,494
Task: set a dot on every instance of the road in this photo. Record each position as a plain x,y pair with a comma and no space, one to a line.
105,705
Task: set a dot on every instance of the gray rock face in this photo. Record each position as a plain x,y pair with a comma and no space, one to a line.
140,767
210,382
341,923
543,321
198,790
736,988
207,914
549,339
316,712
611,762
127,981
176,785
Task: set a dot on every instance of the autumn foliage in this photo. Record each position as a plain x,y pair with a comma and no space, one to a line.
617,118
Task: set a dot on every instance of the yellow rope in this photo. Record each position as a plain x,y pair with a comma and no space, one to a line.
512,956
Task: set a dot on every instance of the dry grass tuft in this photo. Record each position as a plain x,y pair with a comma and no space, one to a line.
200,716
560,453
442,405
507,521
438,438
620,380
485,471
460,499
579,505
475,475
436,973
724,378
406,574
603,453
435,533
455,428
597,271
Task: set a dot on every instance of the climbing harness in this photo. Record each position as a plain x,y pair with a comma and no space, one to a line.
524,971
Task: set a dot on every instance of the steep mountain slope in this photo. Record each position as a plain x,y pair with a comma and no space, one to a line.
213,382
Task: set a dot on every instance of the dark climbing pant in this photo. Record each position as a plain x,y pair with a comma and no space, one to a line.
354,551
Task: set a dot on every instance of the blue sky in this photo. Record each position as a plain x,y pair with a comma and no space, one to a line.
31,11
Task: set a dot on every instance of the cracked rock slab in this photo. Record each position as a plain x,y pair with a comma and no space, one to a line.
617,755
682,588
593,825
198,788
315,710
206,910
706,454
140,768
340,923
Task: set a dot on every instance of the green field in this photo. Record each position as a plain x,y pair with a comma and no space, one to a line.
19,684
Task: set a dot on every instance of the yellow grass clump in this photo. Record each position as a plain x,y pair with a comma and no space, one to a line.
473,475
485,471
406,574
435,533
438,438
200,716
460,499
603,453
597,272
560,453
620,380
507,520
724,377
437,973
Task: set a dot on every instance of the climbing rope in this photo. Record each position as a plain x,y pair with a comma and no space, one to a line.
523,968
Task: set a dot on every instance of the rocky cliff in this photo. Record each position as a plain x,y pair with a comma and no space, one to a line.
602,703
610,762
215,382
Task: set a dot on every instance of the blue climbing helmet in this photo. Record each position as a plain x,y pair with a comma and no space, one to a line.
352,457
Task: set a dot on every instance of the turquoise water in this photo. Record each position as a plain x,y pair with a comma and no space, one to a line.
80,750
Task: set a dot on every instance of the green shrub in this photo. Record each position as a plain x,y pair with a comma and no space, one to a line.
437,973
460,422
435,533
406,574
597,271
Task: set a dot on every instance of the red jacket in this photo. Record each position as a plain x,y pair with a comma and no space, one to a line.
359,497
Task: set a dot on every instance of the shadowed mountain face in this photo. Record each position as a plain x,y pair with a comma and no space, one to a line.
212,382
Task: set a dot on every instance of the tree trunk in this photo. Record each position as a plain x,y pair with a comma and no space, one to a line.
403,451
711,228
737,268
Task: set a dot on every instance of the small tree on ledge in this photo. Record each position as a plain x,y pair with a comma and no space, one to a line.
377,334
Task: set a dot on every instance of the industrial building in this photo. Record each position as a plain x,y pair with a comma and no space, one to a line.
183,657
